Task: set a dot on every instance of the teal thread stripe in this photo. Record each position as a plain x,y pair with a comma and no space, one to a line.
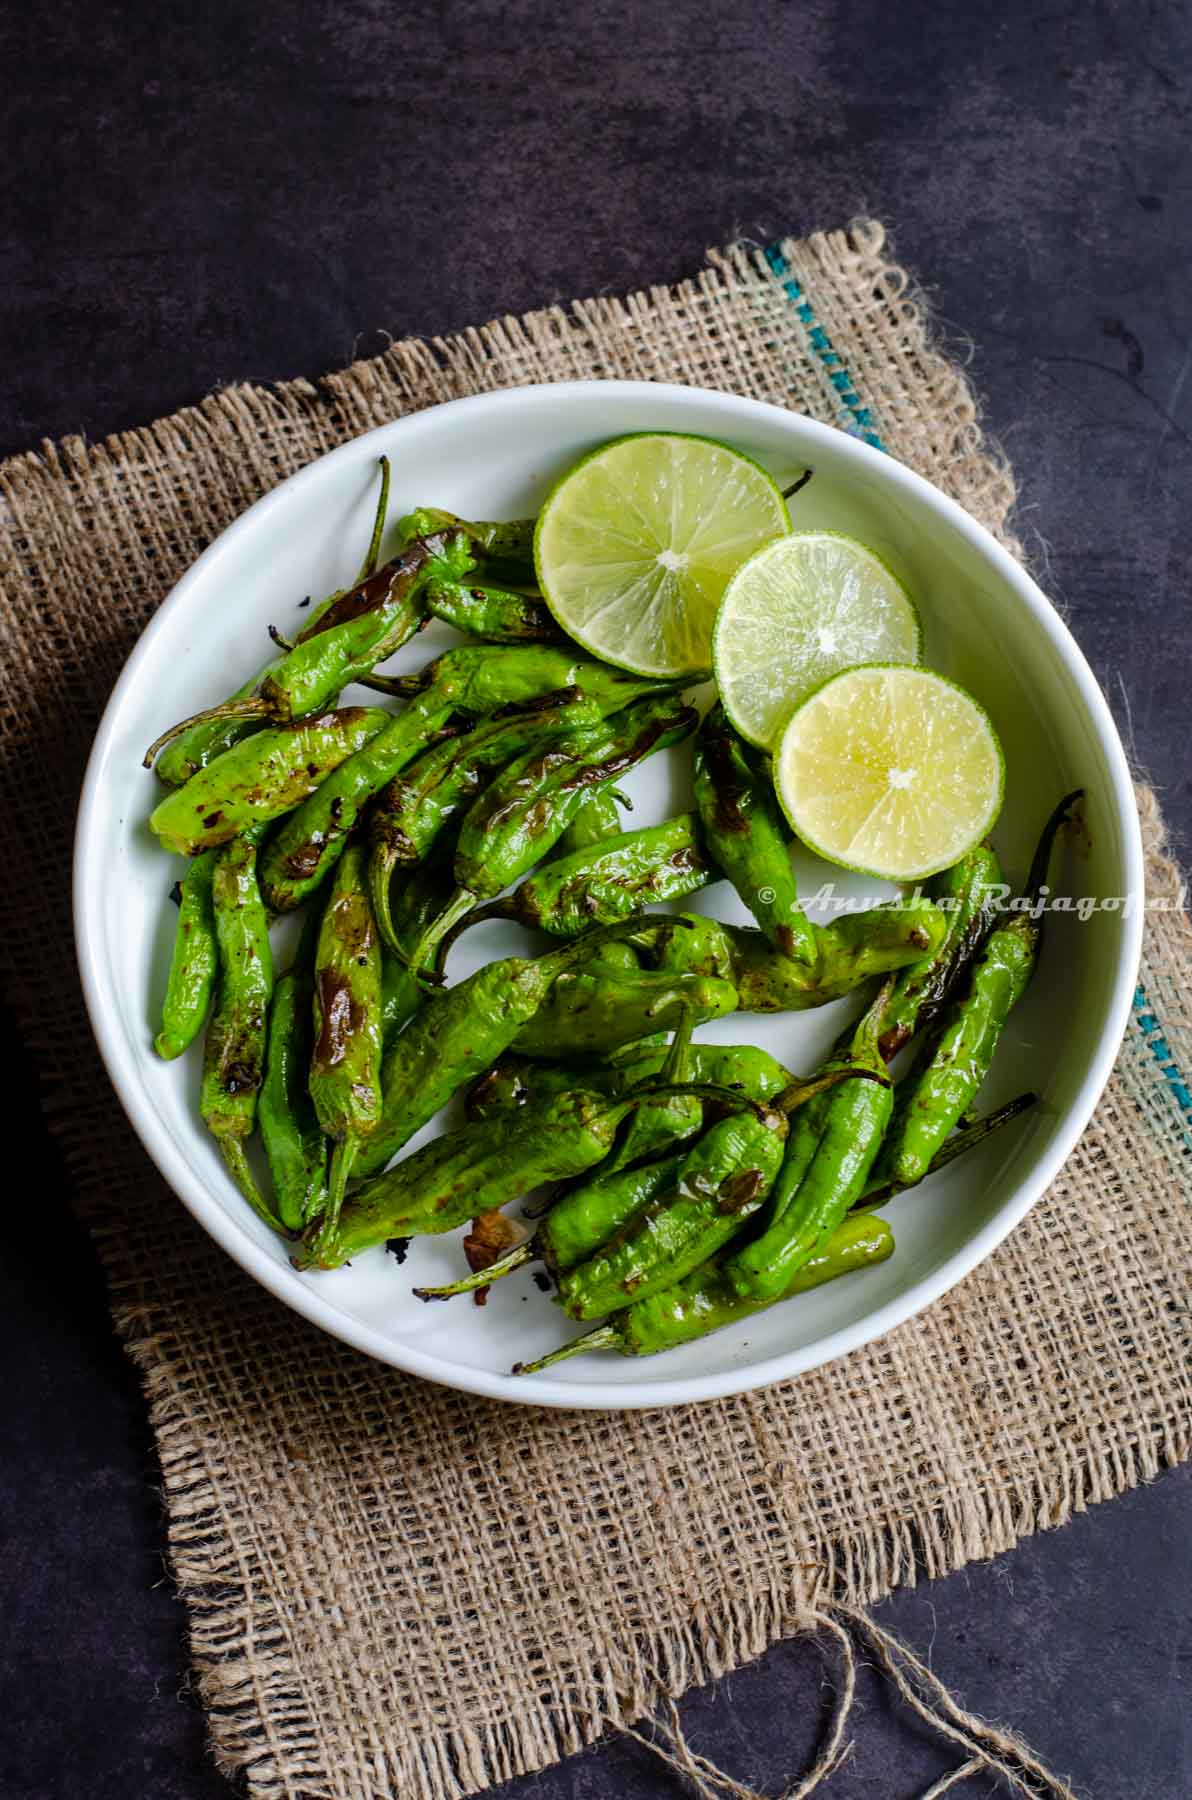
1159,1048
861,419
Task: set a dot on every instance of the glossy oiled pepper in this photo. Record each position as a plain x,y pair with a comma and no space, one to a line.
525,811
879,1191
600,1205
493,678
746,838
234,1051
290,1131
851,950
195,962
965,894
705,1301
500,615
401,995
345,1062
609,881
260,778
592,1011
940,1090
578,1223
506,545
722,1181
517,1081
598,818
202,743
477,1169
303,852
829,1154
358,630
413,810
452,1038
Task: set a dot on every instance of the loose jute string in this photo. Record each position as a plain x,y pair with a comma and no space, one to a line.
340,1533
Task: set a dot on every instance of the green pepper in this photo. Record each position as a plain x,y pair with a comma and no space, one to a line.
234,1051
414,809
524,812
850,951
941,1088
501,615
746,838
705,1301
608,881
517,1081
194,748
345,1063
503,544
476,1169
493,678
597,819
295,1147
308,845
358,630
401,995
261,777
195,962
829,1154
454,1036
966,894
591,1011
722,1181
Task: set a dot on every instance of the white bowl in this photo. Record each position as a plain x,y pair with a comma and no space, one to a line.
987,625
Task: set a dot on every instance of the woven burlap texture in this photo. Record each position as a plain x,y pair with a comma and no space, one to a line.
394,1589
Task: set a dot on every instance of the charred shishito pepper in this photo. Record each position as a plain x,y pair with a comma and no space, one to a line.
746,838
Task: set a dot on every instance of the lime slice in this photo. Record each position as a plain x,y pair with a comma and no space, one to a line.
893,771
798,611
636,545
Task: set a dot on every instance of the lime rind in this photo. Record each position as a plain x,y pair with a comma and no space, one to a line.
636,544
903,773
801,610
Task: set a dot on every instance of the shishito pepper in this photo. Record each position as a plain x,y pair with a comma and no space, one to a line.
524,812
234,1051
745,836
592,1011
722,1181
501,615
345,1063
940,1090
295,1147
516,1081
260,778
457,1034
195,962
853,949
597,819
829,1154
965,893
348,639
609,880
194,748
704,1301
475,1170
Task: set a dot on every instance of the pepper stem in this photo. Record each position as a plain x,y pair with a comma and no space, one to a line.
232,1151
401,687
425,954
368,566
974,1134
800,1092
342,1158
481,1278
253,708
603,1338
1042,856
381,864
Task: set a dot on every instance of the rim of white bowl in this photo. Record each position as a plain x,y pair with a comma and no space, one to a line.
284,1282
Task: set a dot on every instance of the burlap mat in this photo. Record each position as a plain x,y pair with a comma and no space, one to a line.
397,1590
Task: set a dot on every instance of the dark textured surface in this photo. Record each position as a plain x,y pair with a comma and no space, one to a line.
198,195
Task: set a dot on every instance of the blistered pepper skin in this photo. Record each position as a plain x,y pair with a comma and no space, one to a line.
746,836
260,778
